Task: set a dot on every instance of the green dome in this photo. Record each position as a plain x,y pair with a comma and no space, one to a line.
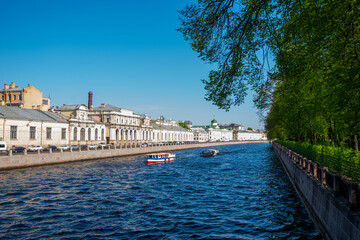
213,121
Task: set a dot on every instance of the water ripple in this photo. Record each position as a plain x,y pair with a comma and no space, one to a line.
241,194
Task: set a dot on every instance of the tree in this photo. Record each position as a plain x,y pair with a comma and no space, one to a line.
230,34
312,92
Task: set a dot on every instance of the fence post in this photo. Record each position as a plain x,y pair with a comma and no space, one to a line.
352,194
304,163
309,167
323,177
336,180
315,171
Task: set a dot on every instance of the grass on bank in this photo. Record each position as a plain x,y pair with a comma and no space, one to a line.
344,161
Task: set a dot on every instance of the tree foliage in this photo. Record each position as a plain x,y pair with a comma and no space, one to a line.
312,91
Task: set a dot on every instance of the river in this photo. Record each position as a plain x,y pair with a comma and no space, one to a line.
243,193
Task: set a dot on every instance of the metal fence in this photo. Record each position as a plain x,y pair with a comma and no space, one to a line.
344,163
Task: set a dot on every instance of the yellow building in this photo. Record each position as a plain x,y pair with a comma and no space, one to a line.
29,97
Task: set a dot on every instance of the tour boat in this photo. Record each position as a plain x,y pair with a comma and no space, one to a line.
160,157
209,153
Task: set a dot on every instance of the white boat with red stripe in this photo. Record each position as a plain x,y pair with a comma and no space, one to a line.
160,157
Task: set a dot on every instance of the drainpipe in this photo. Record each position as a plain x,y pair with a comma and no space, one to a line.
41,135
4,129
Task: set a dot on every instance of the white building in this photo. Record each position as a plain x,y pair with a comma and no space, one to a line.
218,134
200,134
170,131
249,135
26,127
123,126
83,128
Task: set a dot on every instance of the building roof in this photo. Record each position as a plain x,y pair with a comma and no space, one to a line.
71,107
12,90
30,114
198,129
168,127
111,108
213,121
107,107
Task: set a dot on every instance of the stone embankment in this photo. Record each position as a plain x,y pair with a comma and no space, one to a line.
44,158
332,201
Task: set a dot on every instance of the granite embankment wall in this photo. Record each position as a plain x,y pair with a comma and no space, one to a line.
44,158
332,201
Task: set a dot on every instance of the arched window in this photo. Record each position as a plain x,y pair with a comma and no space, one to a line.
75,134
96,134
89,134
117,135
82,134
103,134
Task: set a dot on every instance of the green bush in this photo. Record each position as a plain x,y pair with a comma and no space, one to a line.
344,161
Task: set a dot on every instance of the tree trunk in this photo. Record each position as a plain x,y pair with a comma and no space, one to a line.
354,142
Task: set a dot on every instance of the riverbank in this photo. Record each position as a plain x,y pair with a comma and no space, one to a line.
47,158
332,202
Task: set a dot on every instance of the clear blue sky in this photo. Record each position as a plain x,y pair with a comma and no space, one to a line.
127,52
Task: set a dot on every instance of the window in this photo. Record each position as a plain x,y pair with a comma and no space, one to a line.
20,97
45,102
96,134
14,97
108,119
32,132
48,133
102,134
75,134
9,97
82,134
3,98
13,132
63,133
89,134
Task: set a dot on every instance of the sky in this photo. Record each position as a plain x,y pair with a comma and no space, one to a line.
128,53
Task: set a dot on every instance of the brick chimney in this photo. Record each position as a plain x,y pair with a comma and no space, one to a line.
12,85
90,105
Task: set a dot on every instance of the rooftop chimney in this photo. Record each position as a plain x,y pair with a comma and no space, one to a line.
90,100
6,86
12,85
103,105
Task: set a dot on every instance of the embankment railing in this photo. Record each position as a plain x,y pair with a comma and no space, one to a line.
328,179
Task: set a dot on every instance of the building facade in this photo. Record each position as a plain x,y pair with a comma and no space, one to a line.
29,97
218,134
200,134
170,131
123,126
249,135
26,127
83,129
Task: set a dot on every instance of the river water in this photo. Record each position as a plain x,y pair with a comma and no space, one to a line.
243,193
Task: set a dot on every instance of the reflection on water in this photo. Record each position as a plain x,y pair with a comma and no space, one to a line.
240,194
